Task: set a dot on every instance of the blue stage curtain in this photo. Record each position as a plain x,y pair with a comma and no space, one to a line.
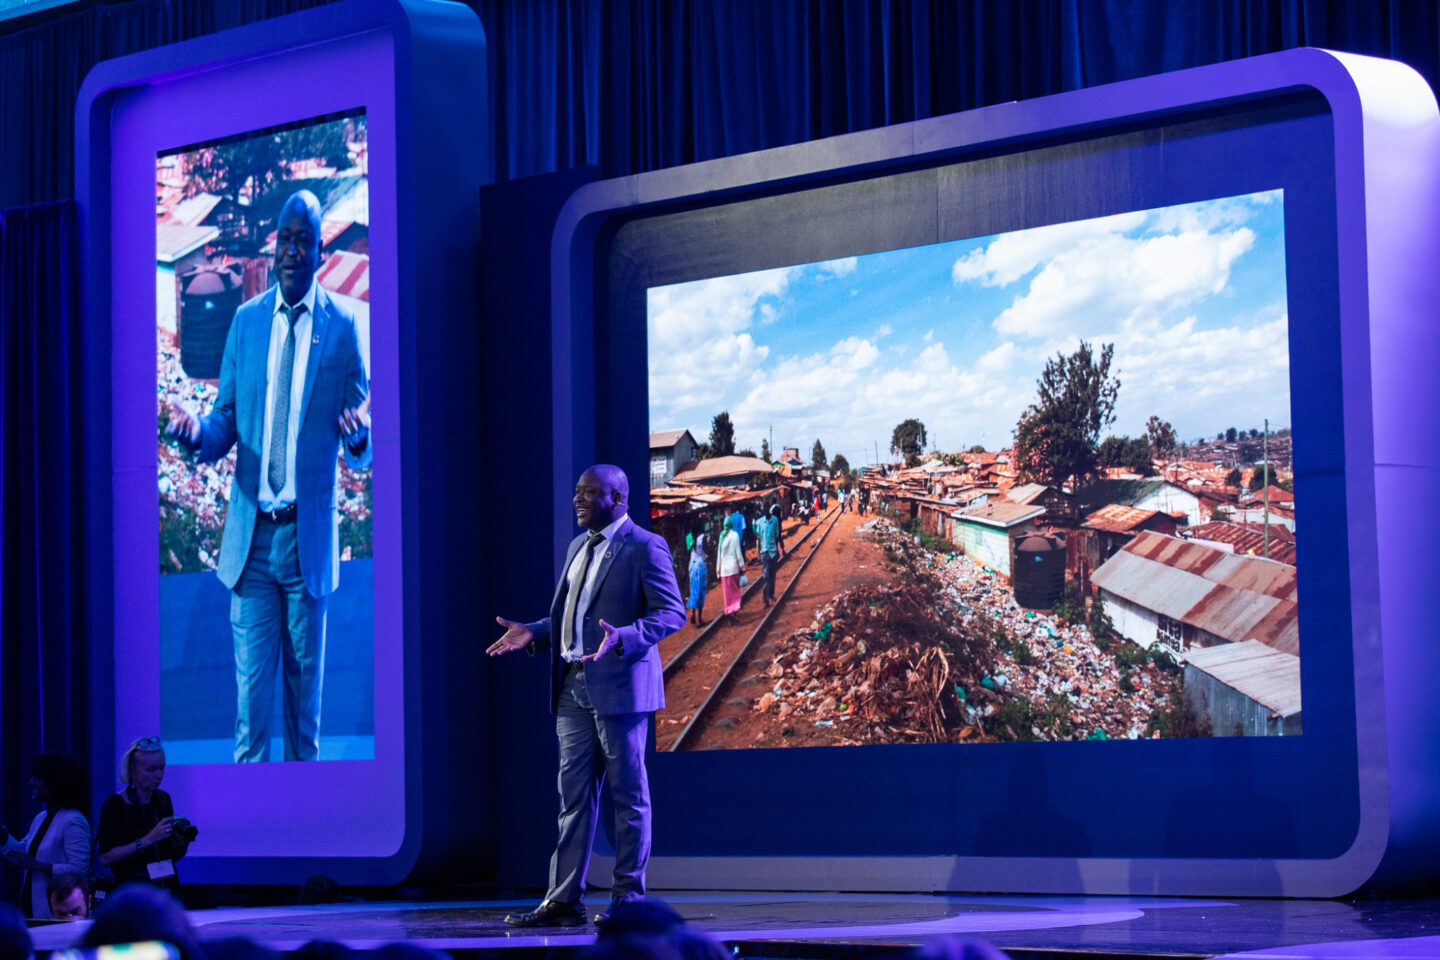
43,679
44,60
635,85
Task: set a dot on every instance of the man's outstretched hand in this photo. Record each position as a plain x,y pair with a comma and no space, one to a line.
355,424
517,637
184,425
612,639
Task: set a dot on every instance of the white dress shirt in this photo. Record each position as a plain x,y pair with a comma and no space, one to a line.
279,325
575,648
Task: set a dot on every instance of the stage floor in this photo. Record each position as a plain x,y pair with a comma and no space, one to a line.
805,926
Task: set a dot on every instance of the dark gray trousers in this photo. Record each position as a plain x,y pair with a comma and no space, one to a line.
594,747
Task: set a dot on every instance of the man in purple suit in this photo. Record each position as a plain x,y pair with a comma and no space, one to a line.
616,600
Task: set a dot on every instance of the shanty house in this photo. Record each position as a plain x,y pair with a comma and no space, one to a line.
983,532
1060,507
732,471
668,450
1246,689
1152,494
1185,595
1114,525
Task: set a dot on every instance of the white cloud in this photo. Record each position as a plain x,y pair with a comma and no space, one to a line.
699,332
837,268
1011,256
1110,281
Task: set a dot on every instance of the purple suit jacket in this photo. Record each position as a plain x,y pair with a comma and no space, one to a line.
635,590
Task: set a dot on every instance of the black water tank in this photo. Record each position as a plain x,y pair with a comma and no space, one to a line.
208,299
1039,571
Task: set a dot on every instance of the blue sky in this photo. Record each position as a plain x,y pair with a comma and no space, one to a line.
955,334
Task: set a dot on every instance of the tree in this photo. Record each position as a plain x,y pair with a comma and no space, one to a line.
1232,479
1254,433
1162,437
747,452
1263,476
908,438
818,459
1056,435
978,448
256,166
722,435
840,467
1136,457
1111,452
765,449
1231,434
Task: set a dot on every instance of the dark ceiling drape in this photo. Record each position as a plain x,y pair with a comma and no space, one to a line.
626,85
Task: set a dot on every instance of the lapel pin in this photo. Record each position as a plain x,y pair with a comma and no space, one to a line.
315,340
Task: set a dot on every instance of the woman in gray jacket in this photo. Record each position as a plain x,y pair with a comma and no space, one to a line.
59,837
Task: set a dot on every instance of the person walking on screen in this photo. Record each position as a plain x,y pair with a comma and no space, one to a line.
772,548
616,599
293,391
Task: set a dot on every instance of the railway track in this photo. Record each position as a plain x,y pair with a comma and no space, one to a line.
698,641
698,720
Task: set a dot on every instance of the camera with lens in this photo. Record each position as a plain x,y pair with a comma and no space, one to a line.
184,829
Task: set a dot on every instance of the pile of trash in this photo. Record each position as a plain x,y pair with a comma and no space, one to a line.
883,663
944,654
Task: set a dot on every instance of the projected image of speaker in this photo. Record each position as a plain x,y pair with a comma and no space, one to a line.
225,239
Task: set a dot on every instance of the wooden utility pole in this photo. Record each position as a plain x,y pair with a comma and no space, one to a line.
1265,452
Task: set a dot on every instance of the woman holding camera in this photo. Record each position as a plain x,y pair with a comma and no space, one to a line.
140,838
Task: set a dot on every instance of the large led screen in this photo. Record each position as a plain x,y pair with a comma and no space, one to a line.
1029,486
263,460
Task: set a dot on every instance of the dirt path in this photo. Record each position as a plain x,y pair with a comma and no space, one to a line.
848,557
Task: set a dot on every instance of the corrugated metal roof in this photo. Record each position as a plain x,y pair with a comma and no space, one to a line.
1116,518
666,439
347,273
1267,676
174,241
999,513
1098,493
717,467
1026,493
1231,596
1276,495
1247,538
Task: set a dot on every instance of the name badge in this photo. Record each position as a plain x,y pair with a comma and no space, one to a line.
161,869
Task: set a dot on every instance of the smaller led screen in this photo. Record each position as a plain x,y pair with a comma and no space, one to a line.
263,460
1029,486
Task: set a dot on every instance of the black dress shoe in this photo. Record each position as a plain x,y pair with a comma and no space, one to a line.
551,913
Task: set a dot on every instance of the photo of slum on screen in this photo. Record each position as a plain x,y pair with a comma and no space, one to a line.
1029,486
264,507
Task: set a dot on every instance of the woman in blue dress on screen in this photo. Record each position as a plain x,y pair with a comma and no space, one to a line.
699,578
